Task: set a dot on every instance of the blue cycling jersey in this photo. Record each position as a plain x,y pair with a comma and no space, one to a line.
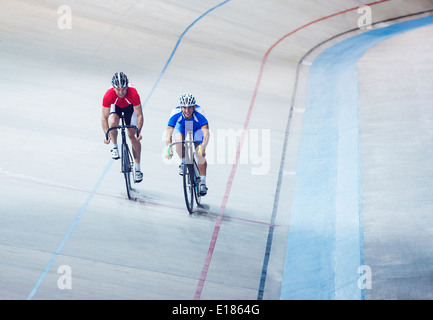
178,121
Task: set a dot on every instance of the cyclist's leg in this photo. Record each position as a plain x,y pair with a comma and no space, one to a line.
202,168
131,119
178,135
136,145
201,163
113,120
180,147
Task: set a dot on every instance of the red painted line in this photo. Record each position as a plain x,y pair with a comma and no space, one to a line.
235,164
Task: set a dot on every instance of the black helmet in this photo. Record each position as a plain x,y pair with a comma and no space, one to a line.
120,80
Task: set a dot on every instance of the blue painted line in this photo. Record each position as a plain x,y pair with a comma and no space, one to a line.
68,233
177,45
89,199
265,265
325,246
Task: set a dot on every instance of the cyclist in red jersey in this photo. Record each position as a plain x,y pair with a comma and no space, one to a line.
125,99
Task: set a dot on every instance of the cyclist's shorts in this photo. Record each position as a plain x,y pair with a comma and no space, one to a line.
130,117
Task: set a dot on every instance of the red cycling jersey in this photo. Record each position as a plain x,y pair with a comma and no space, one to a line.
131,97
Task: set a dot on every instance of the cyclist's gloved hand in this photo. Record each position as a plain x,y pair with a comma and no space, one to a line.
169,153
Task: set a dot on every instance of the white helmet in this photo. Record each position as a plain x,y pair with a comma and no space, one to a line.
187,100
119,80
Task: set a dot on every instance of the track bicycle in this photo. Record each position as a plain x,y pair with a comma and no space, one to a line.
127,161
191,174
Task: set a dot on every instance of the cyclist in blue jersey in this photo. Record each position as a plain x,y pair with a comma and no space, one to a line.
189,116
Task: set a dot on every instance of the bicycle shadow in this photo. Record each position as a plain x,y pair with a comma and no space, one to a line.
146,198
143,197
202,209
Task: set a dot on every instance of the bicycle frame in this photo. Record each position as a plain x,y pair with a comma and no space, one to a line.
127,162
191,174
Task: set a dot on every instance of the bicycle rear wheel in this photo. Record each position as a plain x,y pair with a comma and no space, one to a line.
127,168
188,186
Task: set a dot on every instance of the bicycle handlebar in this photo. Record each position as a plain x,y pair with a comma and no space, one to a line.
182,141
121,127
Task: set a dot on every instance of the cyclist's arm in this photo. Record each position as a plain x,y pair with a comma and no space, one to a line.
139,113
168,135
168,140
104,119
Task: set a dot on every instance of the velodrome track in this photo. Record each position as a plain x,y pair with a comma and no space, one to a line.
63,203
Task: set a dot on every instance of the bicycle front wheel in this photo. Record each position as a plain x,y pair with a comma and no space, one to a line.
127,168
196,186
188,186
